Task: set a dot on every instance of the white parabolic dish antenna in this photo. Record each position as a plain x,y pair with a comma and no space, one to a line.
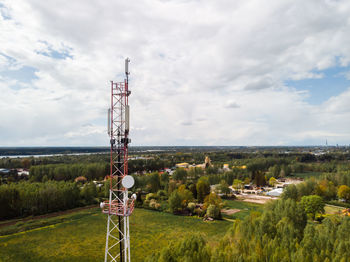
128,181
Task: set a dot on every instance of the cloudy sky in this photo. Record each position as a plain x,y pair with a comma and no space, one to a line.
243,72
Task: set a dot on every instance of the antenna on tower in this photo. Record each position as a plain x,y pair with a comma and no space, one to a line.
119,206
127,61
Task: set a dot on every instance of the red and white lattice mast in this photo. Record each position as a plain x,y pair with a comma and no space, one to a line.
119,206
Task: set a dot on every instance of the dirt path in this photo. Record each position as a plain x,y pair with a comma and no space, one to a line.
252,198
55,214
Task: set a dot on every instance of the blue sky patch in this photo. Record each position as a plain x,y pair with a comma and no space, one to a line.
25,74
55,54
333,83
15,71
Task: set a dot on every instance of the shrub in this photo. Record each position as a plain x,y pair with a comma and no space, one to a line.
146,203
154,204
213,212
191,206
151,196
161,193
199,212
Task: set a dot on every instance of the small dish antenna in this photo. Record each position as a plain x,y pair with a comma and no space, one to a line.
128,182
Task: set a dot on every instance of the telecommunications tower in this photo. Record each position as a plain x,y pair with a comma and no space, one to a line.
119,206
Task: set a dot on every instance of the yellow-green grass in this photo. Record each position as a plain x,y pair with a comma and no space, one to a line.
83,239
244,207
329,209
307,175
33,223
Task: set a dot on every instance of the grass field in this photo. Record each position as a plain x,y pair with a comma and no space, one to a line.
245,208
329,209
81,236
307,175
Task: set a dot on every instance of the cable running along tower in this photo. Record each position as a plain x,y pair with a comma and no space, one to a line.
119,206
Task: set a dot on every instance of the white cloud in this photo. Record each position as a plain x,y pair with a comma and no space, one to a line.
202,73
232,104
347,75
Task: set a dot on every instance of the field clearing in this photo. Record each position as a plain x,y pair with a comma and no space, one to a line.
307,175
329,209
83,238
244,207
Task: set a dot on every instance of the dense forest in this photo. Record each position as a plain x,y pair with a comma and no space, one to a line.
27,199
281,232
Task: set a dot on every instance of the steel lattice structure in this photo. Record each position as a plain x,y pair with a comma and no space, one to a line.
119,206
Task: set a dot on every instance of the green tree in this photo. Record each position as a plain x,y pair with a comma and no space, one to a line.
215,201
237,184
203,188
275,170
326,189
164,180
246,181
192,174
180,174
193,189
213,212
153,182
307,188
185,195
25,163
175,202
224,187
89,192
312,204
291,192
171,186
272,181
344,192
191,249
259,178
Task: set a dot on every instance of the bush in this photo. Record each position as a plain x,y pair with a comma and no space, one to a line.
191,206
199,212
213,212
151,196
161,193
154,205
146,203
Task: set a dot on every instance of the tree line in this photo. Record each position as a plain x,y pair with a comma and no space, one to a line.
329,186
26,199
68,172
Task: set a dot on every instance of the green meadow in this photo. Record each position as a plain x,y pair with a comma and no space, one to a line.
81,236
244,207
307,175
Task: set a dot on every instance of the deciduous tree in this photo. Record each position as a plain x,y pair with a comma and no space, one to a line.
344,192
312,204
203,188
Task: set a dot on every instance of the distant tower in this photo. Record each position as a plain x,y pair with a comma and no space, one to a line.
119,206
326,142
